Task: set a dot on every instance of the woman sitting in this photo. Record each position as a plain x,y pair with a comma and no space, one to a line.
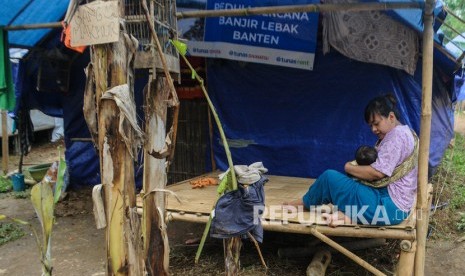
383,192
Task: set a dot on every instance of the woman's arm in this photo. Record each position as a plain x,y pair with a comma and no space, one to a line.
363,172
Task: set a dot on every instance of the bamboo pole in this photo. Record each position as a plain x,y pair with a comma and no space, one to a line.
50,25
257,11
346,252
308,251
425,130
299,8
407,258
5,143
297,228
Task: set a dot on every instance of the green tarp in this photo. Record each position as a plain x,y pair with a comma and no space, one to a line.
7,92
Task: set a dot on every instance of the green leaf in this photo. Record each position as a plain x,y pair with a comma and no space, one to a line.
20,221
60,179
181,47
42,200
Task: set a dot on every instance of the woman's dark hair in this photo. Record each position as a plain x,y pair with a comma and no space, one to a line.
382,105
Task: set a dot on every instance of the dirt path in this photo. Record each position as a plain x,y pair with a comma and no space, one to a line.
444,258
78,248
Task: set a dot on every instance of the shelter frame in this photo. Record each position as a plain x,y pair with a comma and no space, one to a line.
422,209
417,243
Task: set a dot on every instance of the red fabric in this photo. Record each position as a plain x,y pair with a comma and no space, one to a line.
66,39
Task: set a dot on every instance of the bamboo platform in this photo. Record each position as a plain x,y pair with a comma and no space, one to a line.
196,205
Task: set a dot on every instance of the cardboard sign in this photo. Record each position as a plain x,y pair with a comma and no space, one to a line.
95,23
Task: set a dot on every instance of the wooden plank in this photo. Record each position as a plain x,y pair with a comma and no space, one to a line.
354,231
198,202
147,60
278,189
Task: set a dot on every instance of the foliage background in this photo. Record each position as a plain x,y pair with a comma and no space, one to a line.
458,8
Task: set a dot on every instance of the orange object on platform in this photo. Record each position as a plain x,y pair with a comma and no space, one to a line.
204,181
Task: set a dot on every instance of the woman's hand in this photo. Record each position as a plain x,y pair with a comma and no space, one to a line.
363,172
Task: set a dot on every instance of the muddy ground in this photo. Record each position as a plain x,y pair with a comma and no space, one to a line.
78,248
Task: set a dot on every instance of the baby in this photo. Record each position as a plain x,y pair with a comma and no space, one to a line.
366,155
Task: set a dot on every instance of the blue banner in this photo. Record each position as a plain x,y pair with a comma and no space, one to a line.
285,39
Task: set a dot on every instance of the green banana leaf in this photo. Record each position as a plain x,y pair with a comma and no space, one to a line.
42,200
60,177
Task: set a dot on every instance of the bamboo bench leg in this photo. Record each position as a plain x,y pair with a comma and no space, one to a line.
407,258
346,252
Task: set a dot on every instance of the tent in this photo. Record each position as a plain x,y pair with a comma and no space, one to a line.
301,122
297,122
288,130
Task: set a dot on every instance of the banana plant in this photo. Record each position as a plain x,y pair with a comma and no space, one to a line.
43,200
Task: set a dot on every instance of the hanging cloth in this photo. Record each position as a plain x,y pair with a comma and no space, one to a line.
66,33
370,36
238,212
25,131
7,93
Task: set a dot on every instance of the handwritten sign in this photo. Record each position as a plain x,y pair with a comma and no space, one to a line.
95,23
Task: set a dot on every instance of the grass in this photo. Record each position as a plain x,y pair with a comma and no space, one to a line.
5,184
10,232
23,194
449,188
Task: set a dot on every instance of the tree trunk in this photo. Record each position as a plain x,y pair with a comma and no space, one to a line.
232,251
156,245
113,66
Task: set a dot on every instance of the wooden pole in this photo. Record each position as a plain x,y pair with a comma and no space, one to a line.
34,26
407,258
112,64
425,131
308,251
156,246
174,95
259,10
5,154
346,252
299,8
297,228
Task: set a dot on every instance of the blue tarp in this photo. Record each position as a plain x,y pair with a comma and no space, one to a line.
81,155
297,122
25,12
300,123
